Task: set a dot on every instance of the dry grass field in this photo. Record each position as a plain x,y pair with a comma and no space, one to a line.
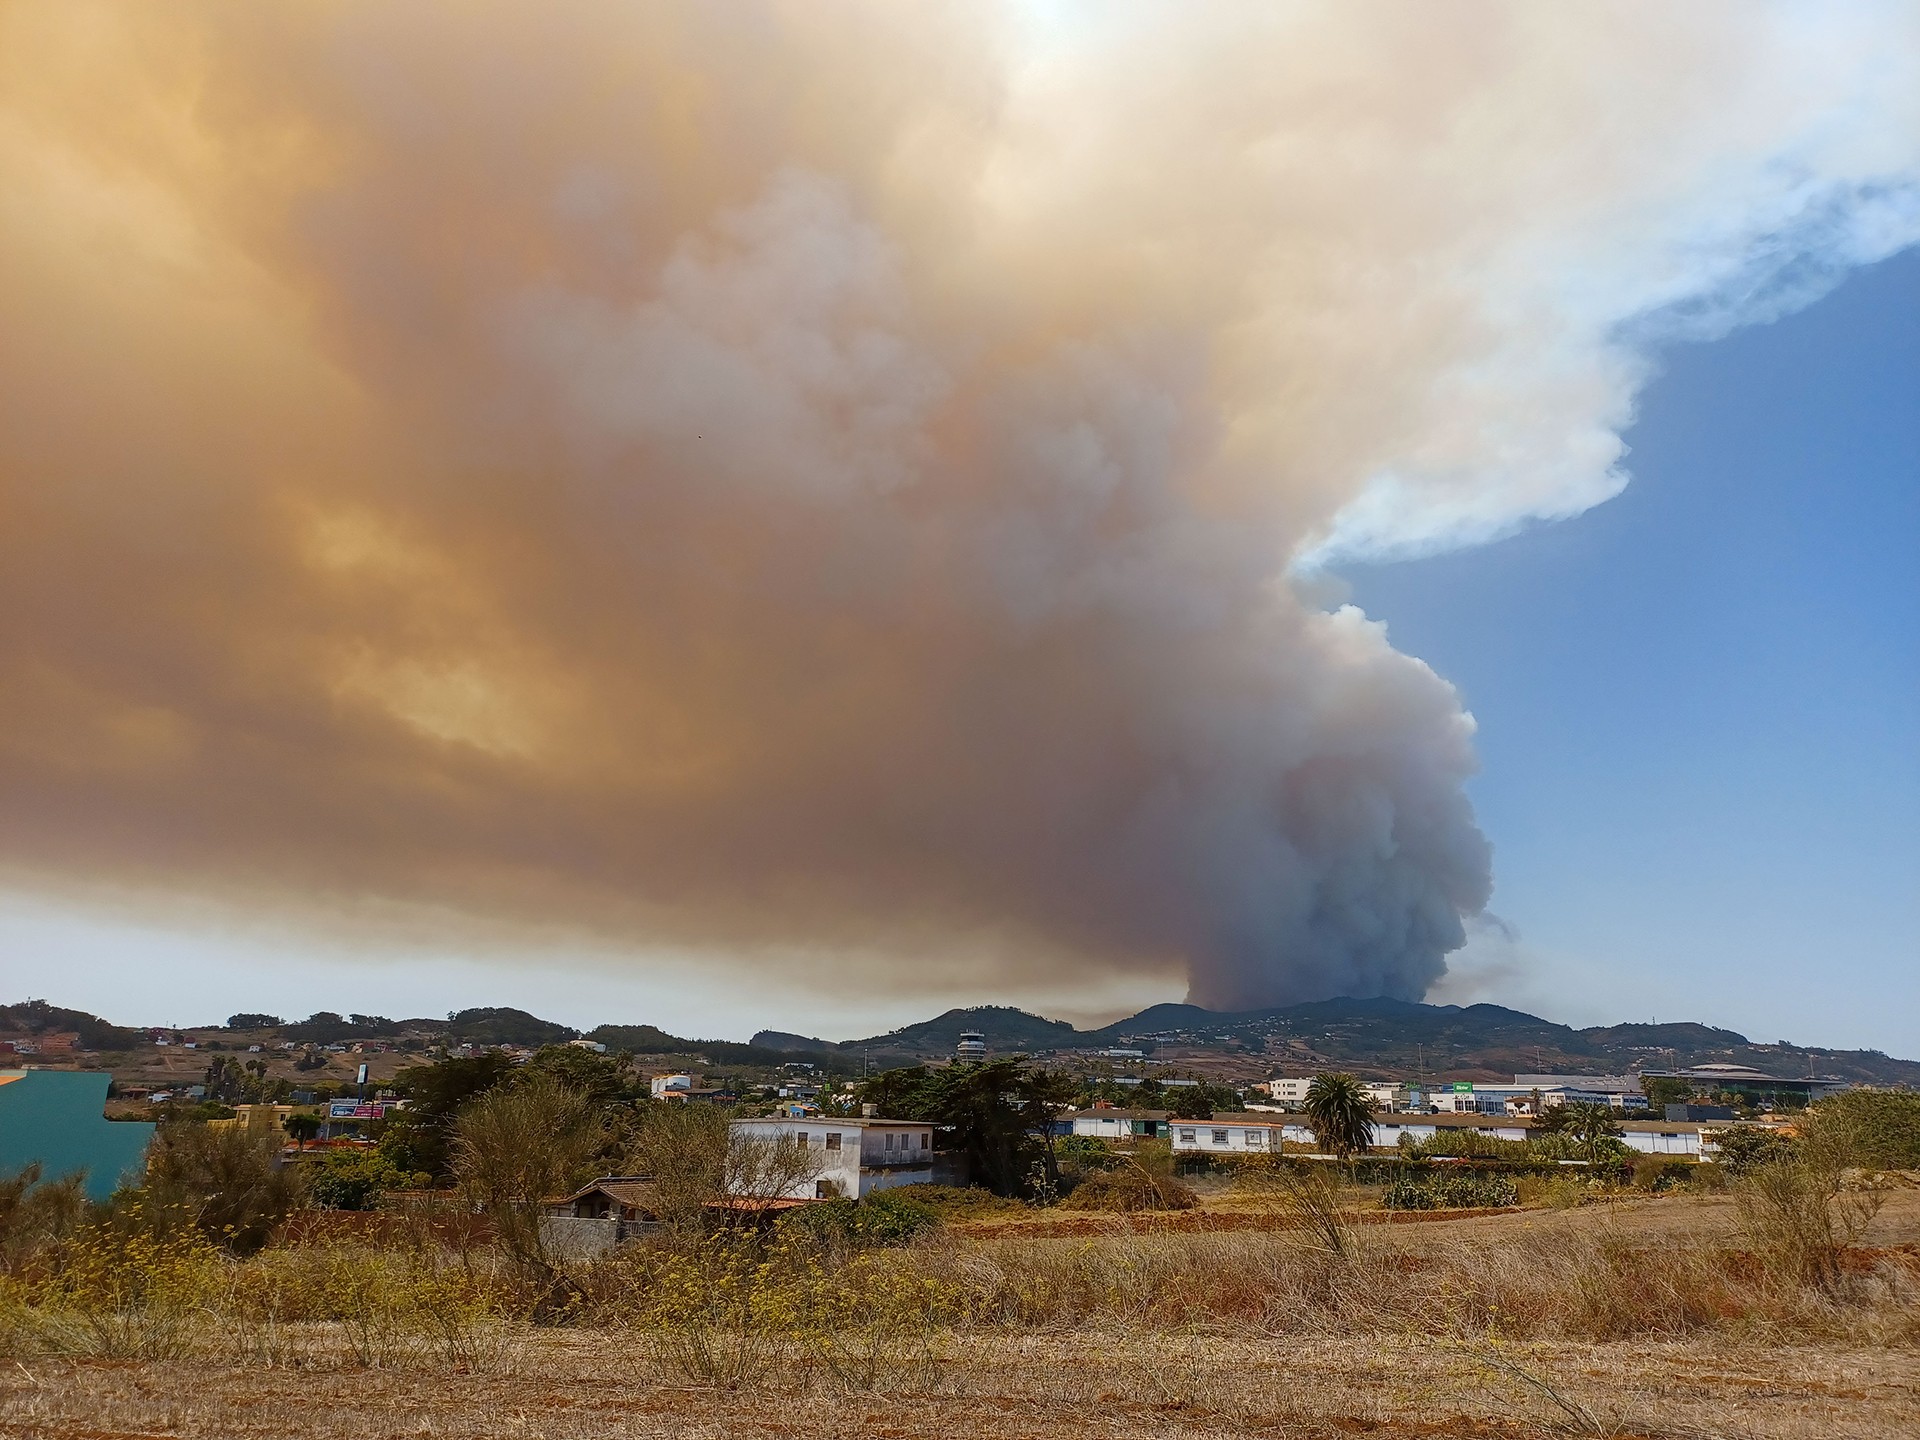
585,1385
1642,1318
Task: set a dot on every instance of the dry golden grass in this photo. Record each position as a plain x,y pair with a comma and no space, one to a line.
1642,1319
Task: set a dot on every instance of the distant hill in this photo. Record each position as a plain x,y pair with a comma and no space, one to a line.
1397,1037
1374,1036
647,1040
37,1017
501,1026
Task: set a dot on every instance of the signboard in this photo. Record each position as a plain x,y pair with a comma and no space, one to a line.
363,1072
354,1110
1463,1087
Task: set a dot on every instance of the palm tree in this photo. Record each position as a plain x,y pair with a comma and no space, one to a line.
1593,1130
1340,1114
303,1127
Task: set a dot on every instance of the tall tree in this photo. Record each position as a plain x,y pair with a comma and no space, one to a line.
1340,1114
420,1136
514,1148
998,1114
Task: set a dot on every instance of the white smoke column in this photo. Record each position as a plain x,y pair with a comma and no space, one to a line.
840,475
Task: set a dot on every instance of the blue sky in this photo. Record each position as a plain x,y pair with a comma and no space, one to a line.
1699,703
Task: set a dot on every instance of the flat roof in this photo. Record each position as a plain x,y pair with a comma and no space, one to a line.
1115,1112
845,1122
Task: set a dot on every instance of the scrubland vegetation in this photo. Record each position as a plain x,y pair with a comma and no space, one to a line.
1589,1314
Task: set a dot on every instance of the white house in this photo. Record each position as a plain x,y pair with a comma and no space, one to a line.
1668,1137
1388,1129
1109,1122
665,1085
857,1156
1264,1135
1650,1137
1243,1134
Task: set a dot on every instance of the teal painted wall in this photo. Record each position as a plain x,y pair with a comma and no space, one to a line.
57,1118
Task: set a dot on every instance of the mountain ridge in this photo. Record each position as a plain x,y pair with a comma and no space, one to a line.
1401,1036
1380,1036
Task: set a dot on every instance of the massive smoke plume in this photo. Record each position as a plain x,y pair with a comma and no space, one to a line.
844,476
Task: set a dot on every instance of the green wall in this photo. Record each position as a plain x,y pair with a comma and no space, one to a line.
57,1118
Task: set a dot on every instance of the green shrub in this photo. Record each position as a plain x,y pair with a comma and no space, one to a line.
356,1179
1873,1129
1407,1193
886,1217
1743,1149
964,1202
1450,1190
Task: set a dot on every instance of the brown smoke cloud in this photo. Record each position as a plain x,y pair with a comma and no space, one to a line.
841,475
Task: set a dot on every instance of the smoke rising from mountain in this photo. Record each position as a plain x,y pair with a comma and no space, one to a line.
838,475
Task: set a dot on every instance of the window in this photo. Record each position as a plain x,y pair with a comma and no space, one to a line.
1219,1137
833,1140
1256,1137
926,1140
889,1140
1187,1137
800,1139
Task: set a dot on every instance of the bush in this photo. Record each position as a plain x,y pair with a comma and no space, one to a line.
1660,1173
35,1216
1084,1154
1800,1217
1873,1129
228,1183
964,1202
356,1179
1450,1190
1745,1148
1130,1189
886,1217
1408,1193
136,1290
1466,1144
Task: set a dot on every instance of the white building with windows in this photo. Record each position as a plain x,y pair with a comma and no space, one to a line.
857,1157
1465,1098
1288,1091
1264,1134
1110,1122
1248,1134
